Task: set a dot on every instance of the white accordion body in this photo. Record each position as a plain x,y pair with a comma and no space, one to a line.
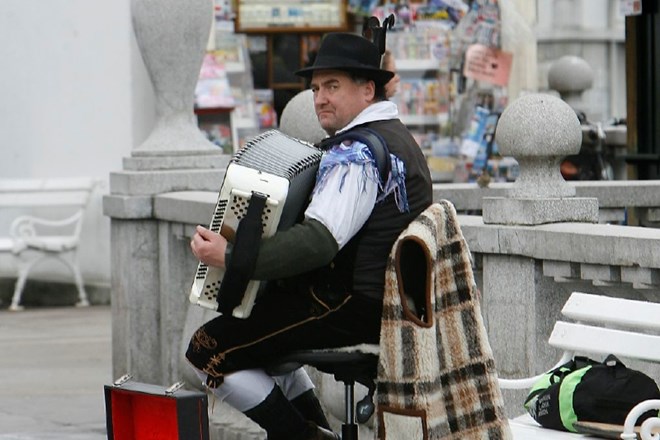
272,164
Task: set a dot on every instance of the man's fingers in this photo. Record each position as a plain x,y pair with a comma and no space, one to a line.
204,233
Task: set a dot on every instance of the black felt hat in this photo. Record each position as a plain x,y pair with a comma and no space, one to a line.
349,53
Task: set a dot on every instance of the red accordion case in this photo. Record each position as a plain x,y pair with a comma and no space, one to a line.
139,411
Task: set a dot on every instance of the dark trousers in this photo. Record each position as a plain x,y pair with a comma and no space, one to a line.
281,321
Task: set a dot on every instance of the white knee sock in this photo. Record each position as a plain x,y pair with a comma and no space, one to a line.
243,389
295,383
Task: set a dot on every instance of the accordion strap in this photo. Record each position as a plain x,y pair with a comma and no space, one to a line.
241,266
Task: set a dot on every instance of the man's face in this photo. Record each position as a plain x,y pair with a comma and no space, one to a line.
338,99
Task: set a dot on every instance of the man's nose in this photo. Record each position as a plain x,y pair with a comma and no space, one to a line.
319,97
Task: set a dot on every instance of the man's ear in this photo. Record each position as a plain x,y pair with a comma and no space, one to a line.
370,90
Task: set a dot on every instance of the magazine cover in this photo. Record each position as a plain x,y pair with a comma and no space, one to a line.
213,90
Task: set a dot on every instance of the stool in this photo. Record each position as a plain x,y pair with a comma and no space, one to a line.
348,367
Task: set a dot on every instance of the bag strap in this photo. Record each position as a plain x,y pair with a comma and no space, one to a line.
374,141
612,361
583,361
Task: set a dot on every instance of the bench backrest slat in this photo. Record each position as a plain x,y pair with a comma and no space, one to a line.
585,307
73,198
73,191
589,339
54,184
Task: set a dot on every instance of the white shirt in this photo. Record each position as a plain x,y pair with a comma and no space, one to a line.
345,202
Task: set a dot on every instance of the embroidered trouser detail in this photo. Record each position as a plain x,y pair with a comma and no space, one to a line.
281,322
218,359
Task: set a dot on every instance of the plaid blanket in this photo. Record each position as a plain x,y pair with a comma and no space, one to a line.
436,372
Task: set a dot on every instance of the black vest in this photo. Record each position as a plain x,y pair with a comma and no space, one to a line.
359,267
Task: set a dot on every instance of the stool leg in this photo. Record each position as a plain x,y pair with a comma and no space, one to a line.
349,430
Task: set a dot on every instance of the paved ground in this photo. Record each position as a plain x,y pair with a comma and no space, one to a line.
54,363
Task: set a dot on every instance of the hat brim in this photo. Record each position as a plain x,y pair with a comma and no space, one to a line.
379,76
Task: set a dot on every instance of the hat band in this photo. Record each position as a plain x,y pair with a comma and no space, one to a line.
340,63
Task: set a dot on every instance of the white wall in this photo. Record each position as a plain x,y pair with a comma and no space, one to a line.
74,100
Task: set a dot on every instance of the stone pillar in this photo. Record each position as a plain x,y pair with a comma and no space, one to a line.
149,292
537,130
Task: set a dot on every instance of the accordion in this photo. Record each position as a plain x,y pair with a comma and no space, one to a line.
276,172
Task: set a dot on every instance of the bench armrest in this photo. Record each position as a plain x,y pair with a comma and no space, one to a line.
647,427
527,382
26,226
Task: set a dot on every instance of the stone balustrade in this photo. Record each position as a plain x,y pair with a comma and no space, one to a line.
526,272
600,254
616,198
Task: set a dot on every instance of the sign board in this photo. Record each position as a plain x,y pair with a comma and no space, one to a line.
268,16
483,63
630,7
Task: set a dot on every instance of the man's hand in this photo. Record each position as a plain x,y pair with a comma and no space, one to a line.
209,247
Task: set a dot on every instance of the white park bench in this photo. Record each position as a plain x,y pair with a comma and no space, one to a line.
54,232
600,325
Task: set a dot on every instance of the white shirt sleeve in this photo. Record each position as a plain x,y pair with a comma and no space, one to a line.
344,207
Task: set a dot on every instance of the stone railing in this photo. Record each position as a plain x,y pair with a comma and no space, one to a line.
618,200
526,272
538,239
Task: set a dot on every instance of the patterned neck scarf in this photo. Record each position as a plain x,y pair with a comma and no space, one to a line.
339,156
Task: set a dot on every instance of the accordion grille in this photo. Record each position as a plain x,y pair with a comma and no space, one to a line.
276,153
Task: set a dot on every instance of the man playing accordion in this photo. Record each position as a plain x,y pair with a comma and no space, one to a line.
326,274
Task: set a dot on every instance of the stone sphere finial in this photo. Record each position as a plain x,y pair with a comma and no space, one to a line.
299,119
571,76
539,130
570,73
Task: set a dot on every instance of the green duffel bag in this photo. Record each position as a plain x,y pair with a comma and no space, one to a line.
586,390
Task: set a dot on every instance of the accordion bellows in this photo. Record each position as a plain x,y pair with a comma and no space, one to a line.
274,165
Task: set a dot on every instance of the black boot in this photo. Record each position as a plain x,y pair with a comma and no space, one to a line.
309,406
279,418
315,432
